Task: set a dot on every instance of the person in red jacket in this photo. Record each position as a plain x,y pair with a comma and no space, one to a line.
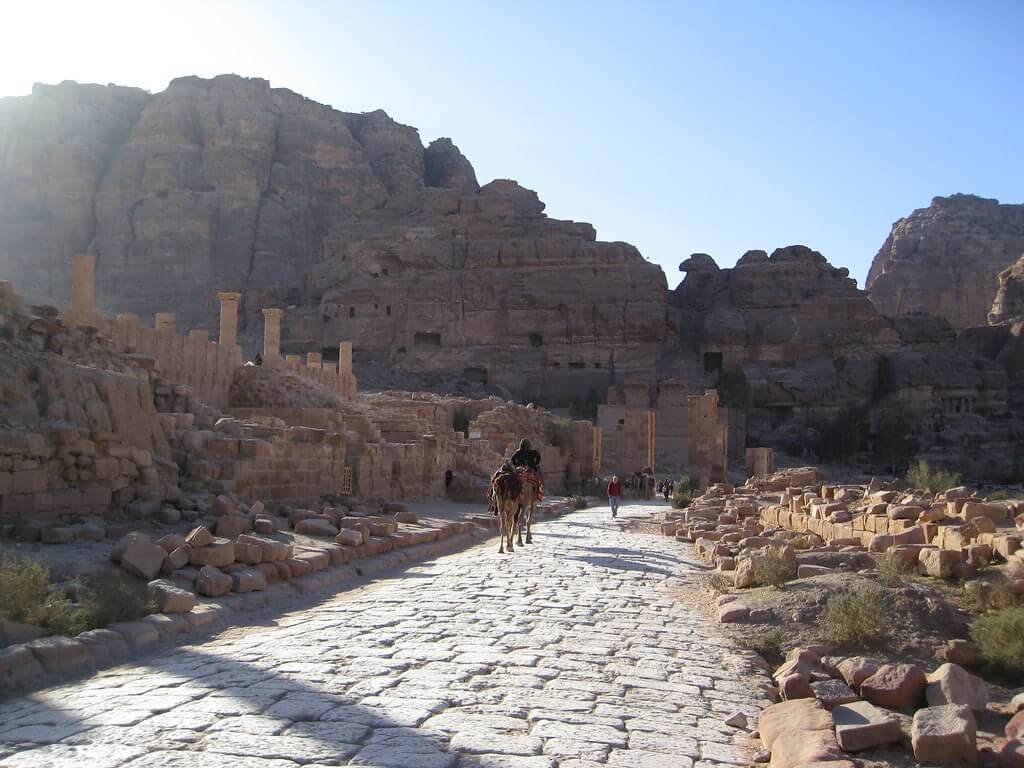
614,493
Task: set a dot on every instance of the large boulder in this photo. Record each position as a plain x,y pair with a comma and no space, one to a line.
895,686
140,556
952,684
945,735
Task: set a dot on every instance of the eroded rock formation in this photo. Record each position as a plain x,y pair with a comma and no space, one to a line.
945,259
344,219
1009,302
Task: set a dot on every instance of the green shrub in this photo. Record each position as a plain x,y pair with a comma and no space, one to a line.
840,436
24,589
771,569
855,616
719,582
1000,640
993,593
895,444
578,502
892,570
769,644
932,480
998,496
27,597
682,493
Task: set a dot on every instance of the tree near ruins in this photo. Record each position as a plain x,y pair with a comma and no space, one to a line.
895,444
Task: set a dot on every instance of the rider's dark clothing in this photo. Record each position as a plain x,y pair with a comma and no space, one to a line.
526,457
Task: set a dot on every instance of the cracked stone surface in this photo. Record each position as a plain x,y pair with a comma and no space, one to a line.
571,652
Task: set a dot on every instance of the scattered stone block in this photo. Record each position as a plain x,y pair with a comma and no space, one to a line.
862,725
60,655
138,635
247,580
945,735
832,693
856,669
962,652
169,516
795,686
736,720
952,684
316,526
939,563
733,613
169,598
199,537
223,505
218,553
90,532
177,559
141,557
250,554
171,542
18,665
350,537
797,733
895,686
1017,703
213,582
230,526
263,525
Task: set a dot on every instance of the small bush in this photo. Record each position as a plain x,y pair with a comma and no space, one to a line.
769,644
932,480
578,502
892,570
998,496
682,493
719,582
990,594
1000,640
854,616
24,589
772,570
27,597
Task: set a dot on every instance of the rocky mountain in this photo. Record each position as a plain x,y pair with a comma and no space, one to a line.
345,220
945,259
1009,302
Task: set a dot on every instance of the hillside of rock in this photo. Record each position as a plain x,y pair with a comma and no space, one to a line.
1009,302
344,220
945,259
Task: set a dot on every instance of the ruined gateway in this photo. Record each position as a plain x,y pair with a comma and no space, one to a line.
360,233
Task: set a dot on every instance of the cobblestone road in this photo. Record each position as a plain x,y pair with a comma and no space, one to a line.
568,653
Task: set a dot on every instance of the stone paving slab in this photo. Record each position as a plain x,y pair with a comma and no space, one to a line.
567,653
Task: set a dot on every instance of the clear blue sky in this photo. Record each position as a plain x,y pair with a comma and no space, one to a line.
677,126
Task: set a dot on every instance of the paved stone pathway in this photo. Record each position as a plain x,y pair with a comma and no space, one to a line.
569,653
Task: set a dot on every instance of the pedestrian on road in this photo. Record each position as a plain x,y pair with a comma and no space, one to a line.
614,492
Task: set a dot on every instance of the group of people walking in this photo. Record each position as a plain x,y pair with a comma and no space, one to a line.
642,485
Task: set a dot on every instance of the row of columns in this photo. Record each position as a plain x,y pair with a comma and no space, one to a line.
83,307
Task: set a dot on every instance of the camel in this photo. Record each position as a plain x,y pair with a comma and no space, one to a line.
507,490
527,505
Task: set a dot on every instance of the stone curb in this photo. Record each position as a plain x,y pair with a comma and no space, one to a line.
27,667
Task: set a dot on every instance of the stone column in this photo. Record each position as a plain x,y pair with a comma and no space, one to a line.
293,361
228,317
345,358
83,286
272,334
165,321
314,360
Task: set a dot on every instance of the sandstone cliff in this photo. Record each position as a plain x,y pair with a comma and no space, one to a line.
1009,302
344,220
945,259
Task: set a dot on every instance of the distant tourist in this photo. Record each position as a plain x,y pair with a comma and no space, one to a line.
448,477
258,359
614,494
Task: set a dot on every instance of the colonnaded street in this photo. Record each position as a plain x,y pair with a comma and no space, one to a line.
571,652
